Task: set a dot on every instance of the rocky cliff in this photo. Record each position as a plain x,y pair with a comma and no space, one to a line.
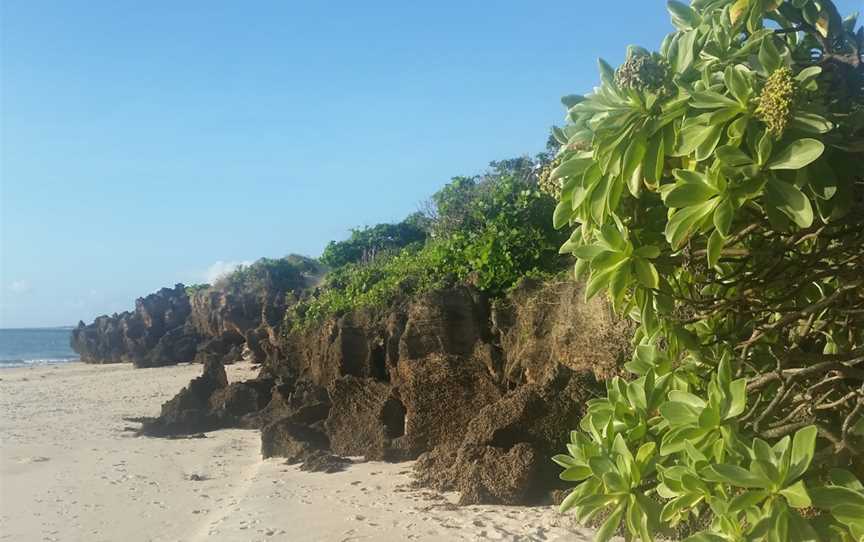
481,392
235,319
155,333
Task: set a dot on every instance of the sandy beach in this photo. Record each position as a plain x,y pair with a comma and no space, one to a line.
70,469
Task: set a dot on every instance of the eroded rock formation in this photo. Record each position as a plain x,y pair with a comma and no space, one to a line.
483,393
155,333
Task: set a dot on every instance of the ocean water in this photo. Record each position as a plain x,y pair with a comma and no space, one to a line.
22,347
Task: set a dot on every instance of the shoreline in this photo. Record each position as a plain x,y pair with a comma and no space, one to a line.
71,470
25,364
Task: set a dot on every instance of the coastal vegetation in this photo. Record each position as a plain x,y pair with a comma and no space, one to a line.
489,230
270,275
713,191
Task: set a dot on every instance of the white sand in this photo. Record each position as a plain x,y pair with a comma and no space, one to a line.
69,470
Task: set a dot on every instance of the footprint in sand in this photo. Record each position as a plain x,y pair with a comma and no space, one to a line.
33,459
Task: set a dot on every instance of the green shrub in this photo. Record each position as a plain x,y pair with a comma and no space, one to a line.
193,289
366,244
488,231
269,276
376,284
715,194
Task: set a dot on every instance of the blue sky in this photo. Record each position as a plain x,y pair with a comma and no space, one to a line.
148,143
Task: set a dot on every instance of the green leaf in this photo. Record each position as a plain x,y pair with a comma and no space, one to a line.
607,530
790,200
796,495
811,123
684,221
683,16
571,100
648,252
687,398
587,252
723,216
733,156
654,157
846,479
827,497
734,475
569,501
686,50
632,171
618,284
564,460
576,473
797,154
747,499
561,215
738,392
614,482
715,247
705,537
646,273
688,194
691,137
598,281
711,100
607,72
637,520
808,73
576,165
769,56
611,237
849,514
706,148
737,84
803,447
679,413
765,147
645,452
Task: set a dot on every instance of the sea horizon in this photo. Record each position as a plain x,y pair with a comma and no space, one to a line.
27,346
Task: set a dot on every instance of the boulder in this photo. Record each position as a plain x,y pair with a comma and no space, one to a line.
189,411
504,454
153,334
365,418
291,440
178,345
450,321
440,394
300,443
237,404
227,347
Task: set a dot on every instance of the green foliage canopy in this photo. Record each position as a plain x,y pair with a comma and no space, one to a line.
489,231
714,189
270,276
366,244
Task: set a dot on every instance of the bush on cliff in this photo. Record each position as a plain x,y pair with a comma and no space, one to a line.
271,275
367,244
193,289
714,189
489,230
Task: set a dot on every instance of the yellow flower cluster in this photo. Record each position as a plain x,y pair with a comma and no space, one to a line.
776,100
547,185
642,72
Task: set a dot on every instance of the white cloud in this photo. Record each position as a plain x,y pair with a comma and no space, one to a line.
220,269
20,286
